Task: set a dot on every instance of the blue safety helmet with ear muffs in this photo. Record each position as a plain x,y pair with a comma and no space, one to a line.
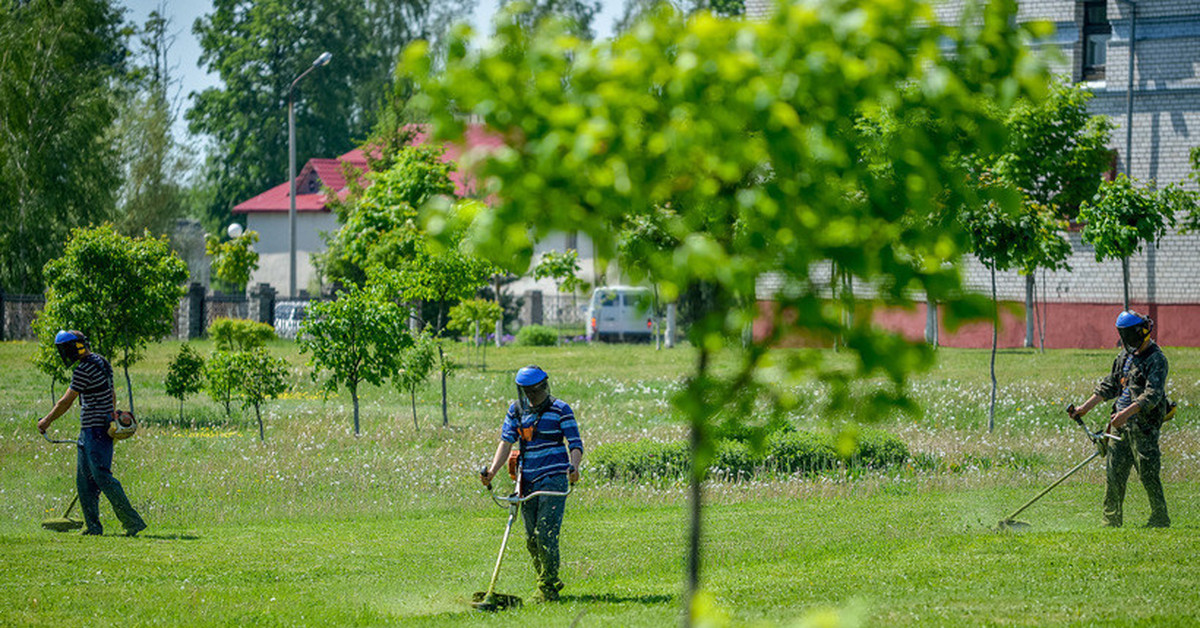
71,345
1134,329
530,377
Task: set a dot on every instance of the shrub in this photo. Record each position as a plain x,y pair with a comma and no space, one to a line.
640,459
878,449
785,452
537,336
236,334
801,452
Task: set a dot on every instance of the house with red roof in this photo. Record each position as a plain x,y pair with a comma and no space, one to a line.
267,214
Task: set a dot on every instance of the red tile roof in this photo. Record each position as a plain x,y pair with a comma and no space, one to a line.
328,174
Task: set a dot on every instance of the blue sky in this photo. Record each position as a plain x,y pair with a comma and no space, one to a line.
185,54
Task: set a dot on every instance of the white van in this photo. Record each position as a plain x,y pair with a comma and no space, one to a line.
620,313
288,317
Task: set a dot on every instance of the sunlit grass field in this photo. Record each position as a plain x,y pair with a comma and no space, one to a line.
315,526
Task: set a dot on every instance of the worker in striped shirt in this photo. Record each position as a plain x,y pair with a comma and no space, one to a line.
92,383
550,452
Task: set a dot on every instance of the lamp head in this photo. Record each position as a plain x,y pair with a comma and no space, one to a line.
323,59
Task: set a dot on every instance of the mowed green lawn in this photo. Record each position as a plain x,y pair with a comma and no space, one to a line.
318,527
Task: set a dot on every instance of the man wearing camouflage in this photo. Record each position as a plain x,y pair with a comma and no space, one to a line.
1138,381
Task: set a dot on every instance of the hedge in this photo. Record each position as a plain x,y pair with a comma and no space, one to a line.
236,334
537,336
785,452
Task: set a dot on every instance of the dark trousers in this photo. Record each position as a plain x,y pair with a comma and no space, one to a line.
93,476
1138,448
543,519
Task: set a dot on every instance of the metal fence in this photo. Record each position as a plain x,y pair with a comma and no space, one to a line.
563,309
17,312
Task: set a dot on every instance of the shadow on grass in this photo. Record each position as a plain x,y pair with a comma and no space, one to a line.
612,598
169,537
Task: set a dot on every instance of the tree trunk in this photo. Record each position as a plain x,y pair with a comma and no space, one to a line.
500,321
995,330
258,414
413,395
1030,289
442,360
931,321
181,412
354,398
1125,279
695,493
1042,319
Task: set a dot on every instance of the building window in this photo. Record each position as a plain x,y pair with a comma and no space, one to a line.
1096,33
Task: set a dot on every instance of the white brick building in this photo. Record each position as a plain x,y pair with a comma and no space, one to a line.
1094,38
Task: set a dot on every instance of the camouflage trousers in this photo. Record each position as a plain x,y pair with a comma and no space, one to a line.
1138,448
543,519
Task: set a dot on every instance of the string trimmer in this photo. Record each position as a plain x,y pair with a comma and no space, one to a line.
65,523
490,600
1100,439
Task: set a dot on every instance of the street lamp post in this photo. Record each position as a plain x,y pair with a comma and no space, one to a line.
321,60
1129,125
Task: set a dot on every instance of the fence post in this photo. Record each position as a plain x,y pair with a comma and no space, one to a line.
534,310
3,317
195,311
262,304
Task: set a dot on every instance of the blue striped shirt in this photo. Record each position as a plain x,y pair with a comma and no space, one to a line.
546,453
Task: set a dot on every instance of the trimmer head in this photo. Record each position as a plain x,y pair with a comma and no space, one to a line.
1012,525
62,524
483,601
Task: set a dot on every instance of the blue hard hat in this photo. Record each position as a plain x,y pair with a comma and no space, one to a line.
66,336
531,375
71,345
1129,318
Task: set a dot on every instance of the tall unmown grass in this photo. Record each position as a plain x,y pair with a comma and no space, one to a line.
210,468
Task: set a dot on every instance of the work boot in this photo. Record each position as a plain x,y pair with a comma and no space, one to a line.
547,593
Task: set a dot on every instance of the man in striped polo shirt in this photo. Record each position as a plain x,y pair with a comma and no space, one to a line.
92,382
551,450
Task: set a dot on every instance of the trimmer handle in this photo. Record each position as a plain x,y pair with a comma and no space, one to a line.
483,474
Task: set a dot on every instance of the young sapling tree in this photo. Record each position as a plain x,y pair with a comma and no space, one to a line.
185,375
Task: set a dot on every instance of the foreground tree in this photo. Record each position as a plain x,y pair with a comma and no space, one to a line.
748,129
120,292
356,338
59,64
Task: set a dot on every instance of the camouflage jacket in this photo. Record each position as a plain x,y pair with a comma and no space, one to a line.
1147,384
